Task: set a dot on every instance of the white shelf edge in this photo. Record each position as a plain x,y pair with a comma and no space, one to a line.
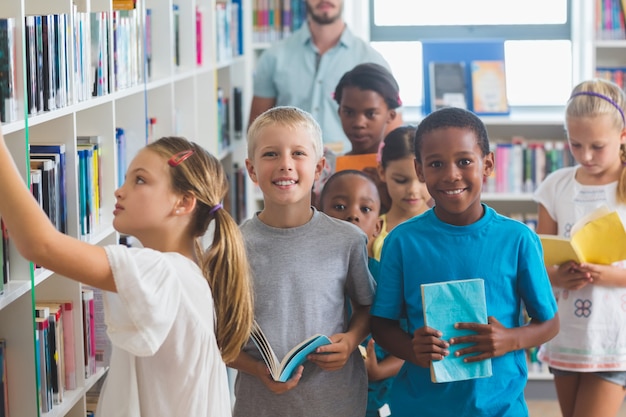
12,291
70,398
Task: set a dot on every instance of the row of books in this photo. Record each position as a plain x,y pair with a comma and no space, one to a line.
127,48
48,64
276,19
235,200
227,31
610,19
56,363
229,115
522,165
615,74
48,180
8,99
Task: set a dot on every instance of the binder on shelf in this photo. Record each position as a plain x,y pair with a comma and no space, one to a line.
456,51
489,87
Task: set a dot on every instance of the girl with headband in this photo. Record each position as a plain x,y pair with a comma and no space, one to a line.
588,356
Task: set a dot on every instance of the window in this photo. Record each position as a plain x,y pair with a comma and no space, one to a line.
538,48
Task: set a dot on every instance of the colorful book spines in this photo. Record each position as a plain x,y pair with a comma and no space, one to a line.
610,19
276,19
522,165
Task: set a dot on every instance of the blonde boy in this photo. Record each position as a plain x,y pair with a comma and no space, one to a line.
304,264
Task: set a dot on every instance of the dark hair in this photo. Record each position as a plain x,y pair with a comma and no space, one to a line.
371,76
398,144
452,117
340,174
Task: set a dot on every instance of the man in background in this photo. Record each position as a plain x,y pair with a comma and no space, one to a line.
304,69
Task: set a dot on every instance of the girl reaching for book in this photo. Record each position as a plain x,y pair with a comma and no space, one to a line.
396,168
174,311
587,357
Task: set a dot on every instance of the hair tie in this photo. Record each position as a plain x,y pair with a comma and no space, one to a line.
399,100
603,97
215,208
178,158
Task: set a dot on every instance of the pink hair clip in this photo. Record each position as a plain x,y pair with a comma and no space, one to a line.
178,158
399,100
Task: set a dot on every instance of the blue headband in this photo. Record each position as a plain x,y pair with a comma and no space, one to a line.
603,97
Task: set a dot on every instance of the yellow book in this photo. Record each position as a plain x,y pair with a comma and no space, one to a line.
598,238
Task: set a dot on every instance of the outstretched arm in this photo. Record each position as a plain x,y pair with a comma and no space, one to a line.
36,238
493,339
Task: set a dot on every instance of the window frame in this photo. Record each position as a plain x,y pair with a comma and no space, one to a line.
509,32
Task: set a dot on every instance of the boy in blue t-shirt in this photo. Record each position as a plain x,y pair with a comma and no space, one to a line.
461,238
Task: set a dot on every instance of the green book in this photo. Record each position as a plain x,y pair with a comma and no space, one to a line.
447,303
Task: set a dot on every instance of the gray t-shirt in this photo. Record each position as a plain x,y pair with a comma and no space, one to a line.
302,276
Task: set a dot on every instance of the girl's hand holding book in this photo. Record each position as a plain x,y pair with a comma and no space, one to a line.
279,387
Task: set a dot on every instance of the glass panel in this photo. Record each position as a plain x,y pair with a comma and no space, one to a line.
539,73
468,12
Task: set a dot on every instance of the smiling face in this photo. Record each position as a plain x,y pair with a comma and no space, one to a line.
408,194
355,199
146,202
595,144
454,168
284,164
364,117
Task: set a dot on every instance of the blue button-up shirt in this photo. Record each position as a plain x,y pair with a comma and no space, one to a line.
294,74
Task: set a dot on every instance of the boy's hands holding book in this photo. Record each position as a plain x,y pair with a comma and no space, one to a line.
277,387
428,346
491,340
334,356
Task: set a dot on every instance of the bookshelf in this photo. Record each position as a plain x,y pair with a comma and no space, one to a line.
179,96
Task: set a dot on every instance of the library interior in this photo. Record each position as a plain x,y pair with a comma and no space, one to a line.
86,84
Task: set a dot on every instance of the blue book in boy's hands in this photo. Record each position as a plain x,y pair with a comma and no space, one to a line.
281,370
447,303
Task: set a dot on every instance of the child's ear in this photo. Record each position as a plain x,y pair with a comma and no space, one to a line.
186,204
391,116
378,228
419,171
251,172
381,172
319,167
488,164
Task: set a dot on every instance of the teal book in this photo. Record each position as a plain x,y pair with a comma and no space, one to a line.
447,303
281,370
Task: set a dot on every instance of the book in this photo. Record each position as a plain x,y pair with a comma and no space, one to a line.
46,149
281,370
597,238
489,87
448,87
89,336
445,304
4,387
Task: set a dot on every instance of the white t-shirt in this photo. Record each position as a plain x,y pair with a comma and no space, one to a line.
592,335
165,359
